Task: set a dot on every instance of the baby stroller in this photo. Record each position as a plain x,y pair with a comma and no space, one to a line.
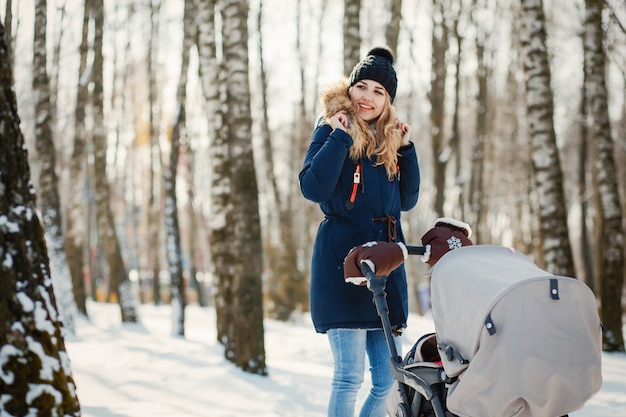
511,339
421,382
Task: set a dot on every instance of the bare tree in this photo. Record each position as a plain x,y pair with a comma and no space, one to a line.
511,153
455,133
8,24
305,214
436,96
605,177
154,203
56,61
546,162
586,245
209,67
209,71
287,287
351,34
48,192
75,222
213,79
193,227
36,372
172,228
235,238
392,32
119,282
478,186
244,342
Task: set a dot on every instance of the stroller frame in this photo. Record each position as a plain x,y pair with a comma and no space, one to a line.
423,384
430,377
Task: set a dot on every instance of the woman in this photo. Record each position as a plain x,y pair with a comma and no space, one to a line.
362,170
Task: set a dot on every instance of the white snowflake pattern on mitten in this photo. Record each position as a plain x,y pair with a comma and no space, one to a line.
454,243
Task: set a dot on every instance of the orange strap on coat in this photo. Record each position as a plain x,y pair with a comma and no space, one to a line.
356,181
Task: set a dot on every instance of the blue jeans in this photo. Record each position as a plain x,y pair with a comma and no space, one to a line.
349,347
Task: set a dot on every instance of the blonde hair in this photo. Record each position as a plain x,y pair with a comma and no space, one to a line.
382,142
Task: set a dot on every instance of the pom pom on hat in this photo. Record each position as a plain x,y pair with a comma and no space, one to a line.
383,51
377,66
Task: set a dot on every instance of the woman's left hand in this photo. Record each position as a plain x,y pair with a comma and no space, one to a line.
405,129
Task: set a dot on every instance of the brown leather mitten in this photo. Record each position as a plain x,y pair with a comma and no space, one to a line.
448,234
382,257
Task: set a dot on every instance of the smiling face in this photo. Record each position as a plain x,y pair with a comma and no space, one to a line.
369,98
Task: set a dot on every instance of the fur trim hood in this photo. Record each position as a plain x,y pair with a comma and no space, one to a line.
335,98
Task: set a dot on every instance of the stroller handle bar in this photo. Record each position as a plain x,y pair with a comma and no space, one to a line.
376,284
416,250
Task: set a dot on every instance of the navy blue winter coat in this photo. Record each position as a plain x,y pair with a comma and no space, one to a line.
327,179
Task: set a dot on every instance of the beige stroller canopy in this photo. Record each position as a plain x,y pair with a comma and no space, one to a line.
521,341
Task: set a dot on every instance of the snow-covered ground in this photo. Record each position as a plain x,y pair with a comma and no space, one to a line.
141,370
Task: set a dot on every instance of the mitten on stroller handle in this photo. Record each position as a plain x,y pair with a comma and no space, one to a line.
381,257
404,376
446,235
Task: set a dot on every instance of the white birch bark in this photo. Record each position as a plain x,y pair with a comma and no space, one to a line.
546,164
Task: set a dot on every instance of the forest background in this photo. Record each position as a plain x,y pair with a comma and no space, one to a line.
165,138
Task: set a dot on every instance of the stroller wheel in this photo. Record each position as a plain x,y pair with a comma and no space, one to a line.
403,411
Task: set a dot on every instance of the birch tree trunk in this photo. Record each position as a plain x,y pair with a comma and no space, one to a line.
605,172
436,97
299,285
8,24
546,164
56,59
513,151
587,246
287,287
351,35
455,137
172,228
245,335
154,203
308,216
36,372
220,222
482,17
49,201
194,227
118,278
392,32
75,219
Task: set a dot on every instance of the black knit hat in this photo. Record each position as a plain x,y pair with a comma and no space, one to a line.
377,66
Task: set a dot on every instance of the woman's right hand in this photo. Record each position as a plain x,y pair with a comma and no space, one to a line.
405,130
339,121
